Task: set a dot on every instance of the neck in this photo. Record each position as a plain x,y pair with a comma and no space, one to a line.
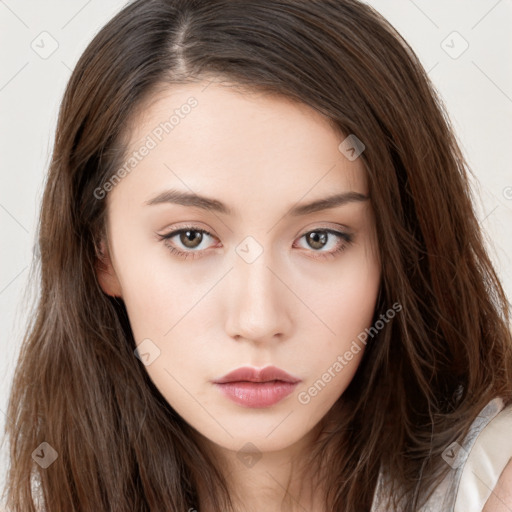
270,481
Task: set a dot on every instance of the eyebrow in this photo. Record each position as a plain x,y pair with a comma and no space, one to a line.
214,205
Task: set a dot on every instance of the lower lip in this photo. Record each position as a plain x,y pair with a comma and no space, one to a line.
257,394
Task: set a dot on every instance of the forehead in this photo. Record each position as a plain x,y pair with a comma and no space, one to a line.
217,138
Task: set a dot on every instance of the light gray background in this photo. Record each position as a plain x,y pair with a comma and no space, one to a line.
475,85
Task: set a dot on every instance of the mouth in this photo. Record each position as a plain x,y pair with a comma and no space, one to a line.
257,388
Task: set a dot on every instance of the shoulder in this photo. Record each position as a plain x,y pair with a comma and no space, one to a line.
500,499
481,468
486,480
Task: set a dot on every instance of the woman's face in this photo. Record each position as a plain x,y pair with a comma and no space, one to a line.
260,278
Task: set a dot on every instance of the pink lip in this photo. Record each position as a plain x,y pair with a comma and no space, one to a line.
250,374
253,387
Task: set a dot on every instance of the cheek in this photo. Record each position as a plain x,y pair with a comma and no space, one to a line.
174,317
345,307
152,305
175,311
156,291
174,320
346,301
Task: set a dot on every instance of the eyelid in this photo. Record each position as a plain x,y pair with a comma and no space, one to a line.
327,226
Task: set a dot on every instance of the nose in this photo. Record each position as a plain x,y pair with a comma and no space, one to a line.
259,303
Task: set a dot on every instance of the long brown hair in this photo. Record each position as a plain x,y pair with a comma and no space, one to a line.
424,377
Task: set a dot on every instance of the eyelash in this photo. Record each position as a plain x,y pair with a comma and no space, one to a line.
194,254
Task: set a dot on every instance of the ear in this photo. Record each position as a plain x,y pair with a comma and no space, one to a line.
105,272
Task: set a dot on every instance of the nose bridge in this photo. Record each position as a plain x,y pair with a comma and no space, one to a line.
258,303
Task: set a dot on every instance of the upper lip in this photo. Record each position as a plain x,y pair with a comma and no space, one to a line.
250,374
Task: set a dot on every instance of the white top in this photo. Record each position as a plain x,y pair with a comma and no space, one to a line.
476,465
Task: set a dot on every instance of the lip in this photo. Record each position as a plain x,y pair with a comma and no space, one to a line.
256,388
250,374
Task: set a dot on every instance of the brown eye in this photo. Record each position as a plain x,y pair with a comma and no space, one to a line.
316,239
319,239
187,242
191,238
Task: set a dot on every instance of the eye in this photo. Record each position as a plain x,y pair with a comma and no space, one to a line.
319,238
191,238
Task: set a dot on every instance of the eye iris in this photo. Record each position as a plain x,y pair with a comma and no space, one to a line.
314,236
190,242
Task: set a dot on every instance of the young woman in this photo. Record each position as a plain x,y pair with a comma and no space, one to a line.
263,283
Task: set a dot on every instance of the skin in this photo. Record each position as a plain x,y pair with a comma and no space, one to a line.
500,499
290,307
